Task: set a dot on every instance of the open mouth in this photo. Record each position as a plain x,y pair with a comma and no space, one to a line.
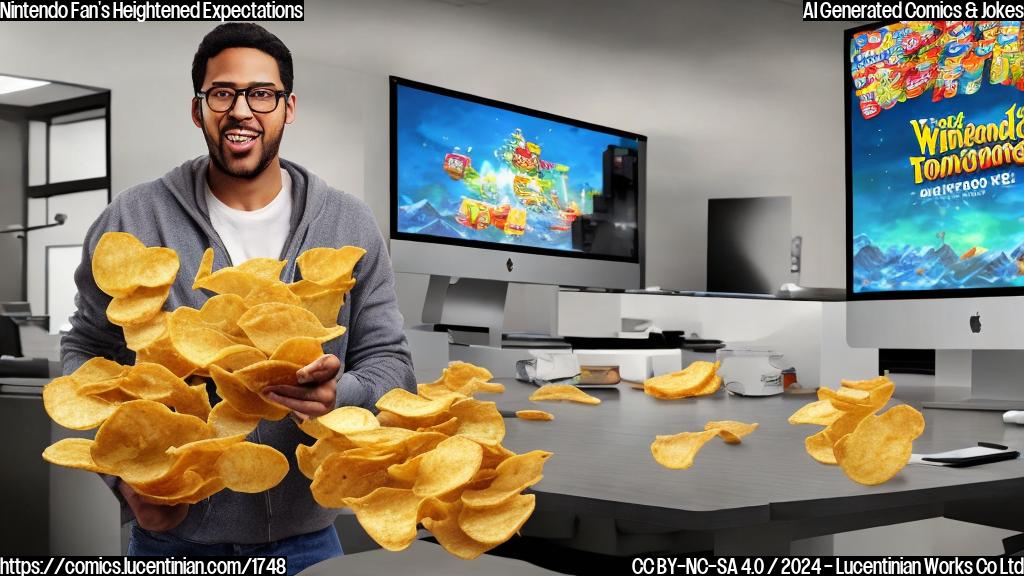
239,141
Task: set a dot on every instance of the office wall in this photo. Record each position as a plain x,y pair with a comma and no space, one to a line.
12,203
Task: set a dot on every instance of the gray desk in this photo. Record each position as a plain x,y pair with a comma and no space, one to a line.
422,559
602,491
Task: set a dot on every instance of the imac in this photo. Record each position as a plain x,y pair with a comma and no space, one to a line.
935,196
486,193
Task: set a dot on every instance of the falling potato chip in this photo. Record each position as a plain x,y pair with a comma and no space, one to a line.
221,312
161,351
389,516
71,409
678,451
301,350
348,420
271,292
511,477
98,369
494,455
451,464
191,488
534,415
260,375
819,446
73,453
479,421
449,427
845,395
730,430
342,476
404,403
250,468
265,268
496,524
684,383
309,458
868,385
821,413
154,382
880,446
227,421
380,438
406,471
325,304
139,336
563,392
205,268
450,536
314,428
121,263
269,325
229,281
236,358
711,387
329,267
244,400
139,307
198,342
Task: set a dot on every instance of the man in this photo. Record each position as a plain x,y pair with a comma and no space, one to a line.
245,202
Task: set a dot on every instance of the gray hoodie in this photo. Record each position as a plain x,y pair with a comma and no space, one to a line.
172,212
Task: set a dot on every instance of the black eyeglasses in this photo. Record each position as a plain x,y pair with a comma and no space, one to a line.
259,98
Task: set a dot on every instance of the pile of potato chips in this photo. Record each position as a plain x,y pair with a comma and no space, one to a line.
677,451
700,378
257,331
434,458
870,449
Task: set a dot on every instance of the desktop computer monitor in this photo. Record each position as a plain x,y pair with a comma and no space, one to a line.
497,193
935,194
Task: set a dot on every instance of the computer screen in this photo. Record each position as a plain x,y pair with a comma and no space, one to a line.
935,149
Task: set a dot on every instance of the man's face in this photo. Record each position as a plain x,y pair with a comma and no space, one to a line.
243,143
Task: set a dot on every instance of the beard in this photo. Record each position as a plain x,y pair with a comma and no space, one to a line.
222,157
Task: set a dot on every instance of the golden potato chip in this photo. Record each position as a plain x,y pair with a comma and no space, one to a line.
71,409
276,292
348,420
819,446
221,312
563,392
265,268
438,391
134,440
341,477
250,468
236,358
314,428
404,403
260,375
449,427
73,453
389,516
711,387
730,430
139,336
269,325
380,438
494,455
98,369
880,446
479,421
229,281
534,415
301,350
154,382
190,489
244,400
845,395
161,351
451,464
205,268
867,385
821,412
696,378
227,421
199,457
325,304
496,524
121,263
678,451
329,267
139,307
511,477
197,341
309,458
450,536
407,471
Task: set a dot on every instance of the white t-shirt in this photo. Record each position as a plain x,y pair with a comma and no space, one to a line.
258,233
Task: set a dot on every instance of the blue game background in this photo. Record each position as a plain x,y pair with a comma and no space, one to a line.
431,125
902,242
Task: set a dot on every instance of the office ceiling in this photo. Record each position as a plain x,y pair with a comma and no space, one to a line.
44,94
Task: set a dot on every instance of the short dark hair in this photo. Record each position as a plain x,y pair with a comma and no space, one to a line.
241,35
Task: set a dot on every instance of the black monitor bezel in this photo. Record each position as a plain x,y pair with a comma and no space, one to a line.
888,295
395,81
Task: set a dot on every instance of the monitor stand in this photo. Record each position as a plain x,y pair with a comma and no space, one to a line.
997,382
483,304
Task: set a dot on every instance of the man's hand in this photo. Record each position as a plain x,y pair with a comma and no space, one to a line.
316,391
152,517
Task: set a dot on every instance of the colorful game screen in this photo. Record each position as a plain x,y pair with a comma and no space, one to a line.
469,171
936,154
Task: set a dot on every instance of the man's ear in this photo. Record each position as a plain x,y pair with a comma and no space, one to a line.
289,109
197,112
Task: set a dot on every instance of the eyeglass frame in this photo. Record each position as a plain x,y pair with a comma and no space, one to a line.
278,94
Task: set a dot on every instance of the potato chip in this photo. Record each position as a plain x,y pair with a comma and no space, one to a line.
139,336
451,464
250,468
236,358
242,399
162,351
819,446
314,428
229,281
71,409
511,477
205,268
449,427
198,342
260,375
563,392
348,420
329,267
479,421
450,536
221,312
868,385
73,453
227,421
404,403
711,387
271,292
139,307
730,430
496,524
121,263
821,412
269,325
309,458
190,489
98,369
265,268
381,438
696,378
880,446
678,451
407,471
301,350
534,415
389,516
341,477
325,304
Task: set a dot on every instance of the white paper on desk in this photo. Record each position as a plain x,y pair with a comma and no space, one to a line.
961,453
